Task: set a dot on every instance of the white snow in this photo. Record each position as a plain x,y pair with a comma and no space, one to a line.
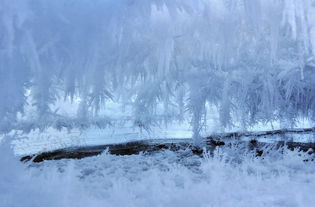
228,178
92,72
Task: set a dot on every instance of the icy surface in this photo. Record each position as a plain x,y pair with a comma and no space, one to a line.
233,177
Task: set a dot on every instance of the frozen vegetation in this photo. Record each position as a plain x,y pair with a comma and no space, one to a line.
252,61
229,177
74,72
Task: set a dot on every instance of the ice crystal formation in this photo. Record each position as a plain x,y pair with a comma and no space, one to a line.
251,60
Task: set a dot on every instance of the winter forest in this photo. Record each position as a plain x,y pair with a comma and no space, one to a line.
180,102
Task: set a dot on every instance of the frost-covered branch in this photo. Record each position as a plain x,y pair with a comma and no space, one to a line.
254,60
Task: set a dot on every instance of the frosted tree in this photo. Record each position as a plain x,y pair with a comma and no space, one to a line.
251,59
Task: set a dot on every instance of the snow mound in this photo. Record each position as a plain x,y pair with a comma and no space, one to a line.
223,178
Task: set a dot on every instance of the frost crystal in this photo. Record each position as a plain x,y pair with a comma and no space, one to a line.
251,60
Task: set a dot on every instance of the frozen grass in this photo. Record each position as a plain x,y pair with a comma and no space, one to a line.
229,177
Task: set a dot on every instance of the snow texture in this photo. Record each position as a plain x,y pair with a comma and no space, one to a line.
73,71
228,177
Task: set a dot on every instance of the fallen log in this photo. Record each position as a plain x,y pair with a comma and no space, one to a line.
129,148
211,142
262,133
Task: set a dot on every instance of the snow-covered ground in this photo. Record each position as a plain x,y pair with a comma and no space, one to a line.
229,177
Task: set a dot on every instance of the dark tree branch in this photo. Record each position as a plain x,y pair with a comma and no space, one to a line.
150,146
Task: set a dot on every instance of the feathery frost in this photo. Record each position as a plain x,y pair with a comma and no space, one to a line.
254,60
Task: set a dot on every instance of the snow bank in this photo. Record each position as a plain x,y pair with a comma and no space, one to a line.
227,178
